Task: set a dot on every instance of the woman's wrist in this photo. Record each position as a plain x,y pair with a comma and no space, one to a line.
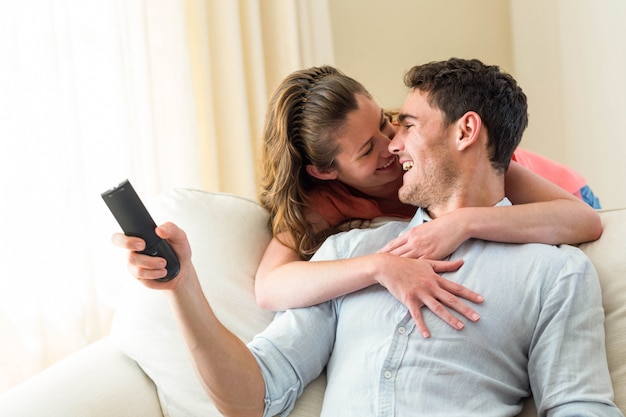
468,222
376,268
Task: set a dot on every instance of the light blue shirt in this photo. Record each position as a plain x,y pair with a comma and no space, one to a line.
541,331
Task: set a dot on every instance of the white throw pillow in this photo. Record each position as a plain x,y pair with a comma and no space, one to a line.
228,235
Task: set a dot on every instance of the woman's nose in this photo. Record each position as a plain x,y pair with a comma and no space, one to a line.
389,131
382,144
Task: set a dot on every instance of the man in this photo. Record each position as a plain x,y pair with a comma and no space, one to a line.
541,327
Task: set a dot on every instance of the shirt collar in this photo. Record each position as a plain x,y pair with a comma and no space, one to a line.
421,216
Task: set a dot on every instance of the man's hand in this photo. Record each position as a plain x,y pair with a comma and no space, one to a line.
147,269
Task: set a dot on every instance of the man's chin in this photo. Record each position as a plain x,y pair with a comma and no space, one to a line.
406,196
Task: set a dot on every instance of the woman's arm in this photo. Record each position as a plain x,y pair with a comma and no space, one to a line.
283,281
541,212
552,215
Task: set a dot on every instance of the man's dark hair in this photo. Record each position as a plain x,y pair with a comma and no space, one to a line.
457,86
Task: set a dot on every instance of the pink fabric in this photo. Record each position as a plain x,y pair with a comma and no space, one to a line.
559,174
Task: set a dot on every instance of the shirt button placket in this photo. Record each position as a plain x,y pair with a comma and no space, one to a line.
391,366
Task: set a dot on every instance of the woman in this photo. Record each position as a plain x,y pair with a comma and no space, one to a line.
326,162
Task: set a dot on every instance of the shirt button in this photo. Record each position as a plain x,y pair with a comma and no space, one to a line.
401,330
387,374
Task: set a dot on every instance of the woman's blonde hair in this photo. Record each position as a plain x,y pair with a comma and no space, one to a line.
304,117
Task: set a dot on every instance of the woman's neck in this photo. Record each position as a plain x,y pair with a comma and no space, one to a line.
395,206
389,202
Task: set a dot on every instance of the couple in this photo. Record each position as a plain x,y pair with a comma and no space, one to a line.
540,330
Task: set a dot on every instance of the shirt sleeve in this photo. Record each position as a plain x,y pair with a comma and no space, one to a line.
292,352
296,346
567,359
294,349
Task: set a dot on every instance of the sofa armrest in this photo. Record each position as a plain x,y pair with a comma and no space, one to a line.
97,381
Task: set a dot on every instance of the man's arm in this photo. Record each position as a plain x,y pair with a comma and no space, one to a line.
567,360
227,368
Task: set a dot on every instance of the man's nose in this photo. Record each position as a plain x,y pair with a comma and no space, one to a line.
395,144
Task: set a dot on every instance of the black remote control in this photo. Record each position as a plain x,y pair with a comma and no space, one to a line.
134,219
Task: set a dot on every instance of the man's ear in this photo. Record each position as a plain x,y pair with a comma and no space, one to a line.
469,127
315,172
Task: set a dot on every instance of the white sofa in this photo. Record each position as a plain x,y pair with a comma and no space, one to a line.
142,368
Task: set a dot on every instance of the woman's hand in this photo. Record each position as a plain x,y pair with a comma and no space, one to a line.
435,239
415,283
147,269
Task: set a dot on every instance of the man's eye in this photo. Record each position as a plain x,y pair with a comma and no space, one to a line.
369,151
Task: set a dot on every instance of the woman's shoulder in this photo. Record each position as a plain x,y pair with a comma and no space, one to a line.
336,203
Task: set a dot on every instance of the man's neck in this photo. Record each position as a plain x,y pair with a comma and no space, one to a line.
471,194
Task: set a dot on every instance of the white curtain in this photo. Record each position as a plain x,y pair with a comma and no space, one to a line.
91,92
167,93
241,50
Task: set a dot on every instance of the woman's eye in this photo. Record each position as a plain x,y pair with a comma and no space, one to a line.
384,124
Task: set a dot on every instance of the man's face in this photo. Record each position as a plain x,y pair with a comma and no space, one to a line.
424,147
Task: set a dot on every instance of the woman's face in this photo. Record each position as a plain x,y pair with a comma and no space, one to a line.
364,161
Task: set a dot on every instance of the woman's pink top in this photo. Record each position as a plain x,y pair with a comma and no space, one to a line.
564,177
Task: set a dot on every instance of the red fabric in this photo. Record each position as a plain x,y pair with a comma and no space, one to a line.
336,204
559,174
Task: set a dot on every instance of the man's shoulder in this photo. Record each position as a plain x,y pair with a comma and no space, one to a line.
562,251
361,241
378,226
575,255
523,256
553,259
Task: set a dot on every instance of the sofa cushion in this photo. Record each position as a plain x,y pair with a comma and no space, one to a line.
608,255
228,235
96,381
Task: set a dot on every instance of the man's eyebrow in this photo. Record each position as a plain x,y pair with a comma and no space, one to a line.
403,116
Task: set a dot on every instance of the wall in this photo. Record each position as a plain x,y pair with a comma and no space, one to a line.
376,42
568,55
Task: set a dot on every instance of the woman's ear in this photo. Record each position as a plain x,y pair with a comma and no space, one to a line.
315,172
469,128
